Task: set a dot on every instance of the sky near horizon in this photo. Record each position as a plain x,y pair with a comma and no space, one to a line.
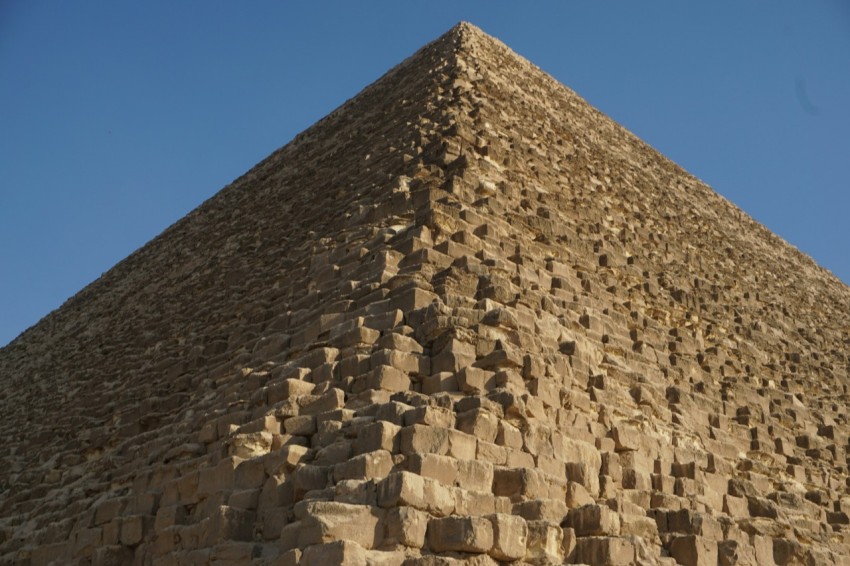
117,118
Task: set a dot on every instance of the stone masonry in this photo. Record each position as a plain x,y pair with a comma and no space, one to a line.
465,318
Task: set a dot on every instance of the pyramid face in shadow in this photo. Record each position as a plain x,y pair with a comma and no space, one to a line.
466,316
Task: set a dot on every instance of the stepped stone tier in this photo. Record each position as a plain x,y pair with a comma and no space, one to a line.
465,318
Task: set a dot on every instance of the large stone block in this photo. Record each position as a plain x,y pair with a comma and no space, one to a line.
422,439
341,553
327,521
406,526
389,379
381,435
545,543
371,465
460,534
694,550
593,520
480,423
510,536
519,483
605,551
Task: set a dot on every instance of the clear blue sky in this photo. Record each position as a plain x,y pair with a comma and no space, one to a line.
117,117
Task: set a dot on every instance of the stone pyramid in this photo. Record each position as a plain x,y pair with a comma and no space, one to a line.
465,318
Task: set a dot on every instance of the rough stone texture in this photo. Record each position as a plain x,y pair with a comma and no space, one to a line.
465,318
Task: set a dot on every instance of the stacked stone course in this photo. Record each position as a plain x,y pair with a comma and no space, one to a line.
463,319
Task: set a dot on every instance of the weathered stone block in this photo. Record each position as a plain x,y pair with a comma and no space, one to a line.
389,379
381,435
593,520
341,552
475,475
421,439
444,469
480,423
545,543
371,465
460,534
693,550
327,521
406,526
510,536
605,551
551,510
518,483
431,416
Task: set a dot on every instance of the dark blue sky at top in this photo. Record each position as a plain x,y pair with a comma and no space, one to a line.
117,118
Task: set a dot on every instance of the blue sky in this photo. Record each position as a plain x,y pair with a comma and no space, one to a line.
117,118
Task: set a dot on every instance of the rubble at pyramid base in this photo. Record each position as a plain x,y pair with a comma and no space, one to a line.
464,319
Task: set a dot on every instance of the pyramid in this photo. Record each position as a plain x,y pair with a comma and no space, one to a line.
465,318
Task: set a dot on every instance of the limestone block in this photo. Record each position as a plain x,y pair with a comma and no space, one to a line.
577,495
583,473
228,523
381,435
735,553
399,342
402,488
218,478
518,459
626,438
475,475
475,380
461,445
430,415
307,477
370,465
689,522
460,534
546,390
593,520
639,526
506,357
607,551
545,543
510,536
341,552
272,521
326,521
301,425
406,526
551,510
508,435
693,550
134,529
109,509
408,362
249,474
410,299
360,335
168,517
444,469
111,555
480,423
493,453
519,483
328,401
439,499
419,439
440,382
468,502
388,378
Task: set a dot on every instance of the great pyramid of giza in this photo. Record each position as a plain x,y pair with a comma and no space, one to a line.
465,318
